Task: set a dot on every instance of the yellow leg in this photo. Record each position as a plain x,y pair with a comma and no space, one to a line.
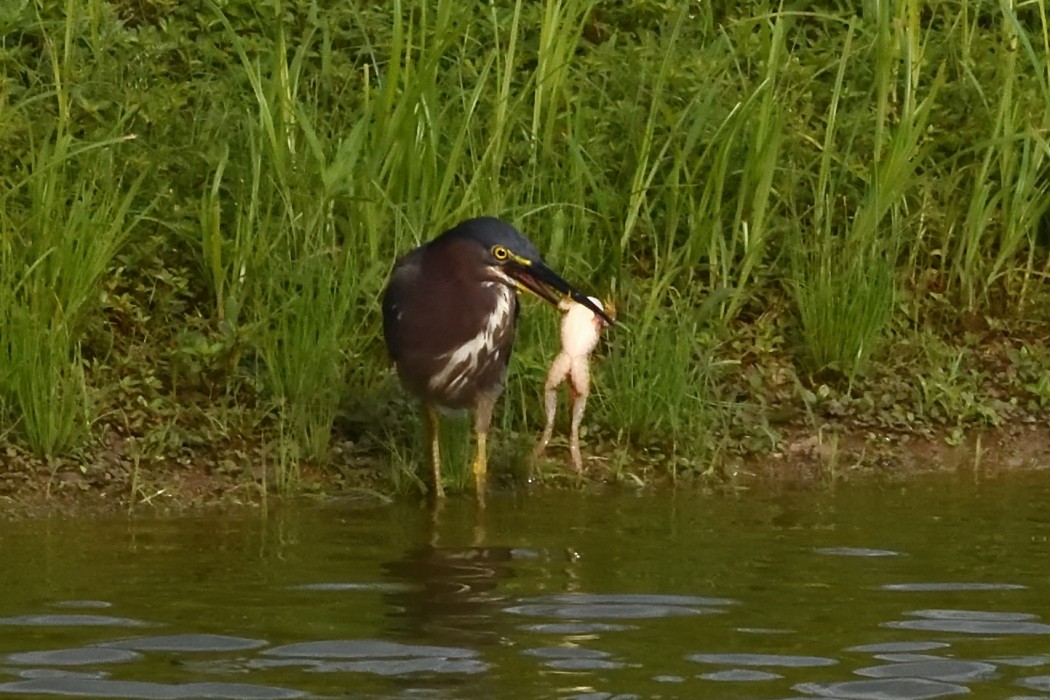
480,462
482,419
480,471
433,437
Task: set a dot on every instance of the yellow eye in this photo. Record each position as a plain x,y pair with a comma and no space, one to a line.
500,253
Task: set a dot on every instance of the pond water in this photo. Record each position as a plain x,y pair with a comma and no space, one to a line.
937,588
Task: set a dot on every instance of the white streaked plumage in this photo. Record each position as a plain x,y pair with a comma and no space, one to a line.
464,360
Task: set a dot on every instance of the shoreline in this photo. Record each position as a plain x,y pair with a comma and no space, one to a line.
809,460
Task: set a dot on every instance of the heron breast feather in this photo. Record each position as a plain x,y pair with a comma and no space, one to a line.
478,353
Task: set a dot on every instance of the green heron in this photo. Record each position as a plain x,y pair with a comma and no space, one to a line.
449,315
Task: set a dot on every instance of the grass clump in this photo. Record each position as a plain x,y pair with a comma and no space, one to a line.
659,391
62,226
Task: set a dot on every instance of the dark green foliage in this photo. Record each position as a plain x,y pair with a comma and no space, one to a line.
218,189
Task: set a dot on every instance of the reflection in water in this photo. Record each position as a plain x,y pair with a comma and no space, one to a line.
451,594
860,594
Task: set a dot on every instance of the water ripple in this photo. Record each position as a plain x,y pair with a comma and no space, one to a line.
71,621
952,586
350,586
584,664
888,689
626,612
381,666
88,604
29,673
745,675
633,599
898,647
574,658
1041,683
856,552
669,679
972,622
373,656
365,648
71,657
632,606
907,658
187,643
971,626
103,688
1021,661
575,627
762,660
933,669
566,653
979,615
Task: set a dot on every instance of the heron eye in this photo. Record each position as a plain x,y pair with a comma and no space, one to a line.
500,253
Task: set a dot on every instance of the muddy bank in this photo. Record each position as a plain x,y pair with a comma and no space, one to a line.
808,459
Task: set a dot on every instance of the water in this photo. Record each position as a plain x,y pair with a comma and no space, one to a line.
934,589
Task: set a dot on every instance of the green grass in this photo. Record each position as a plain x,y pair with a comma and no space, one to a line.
843,272
219,191
68,210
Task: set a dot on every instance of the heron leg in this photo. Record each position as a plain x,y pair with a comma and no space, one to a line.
482,420
434,438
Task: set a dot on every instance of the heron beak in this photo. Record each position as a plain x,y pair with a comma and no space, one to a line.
534,276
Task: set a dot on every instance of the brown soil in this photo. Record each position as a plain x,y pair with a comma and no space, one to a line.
29,487
813,458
